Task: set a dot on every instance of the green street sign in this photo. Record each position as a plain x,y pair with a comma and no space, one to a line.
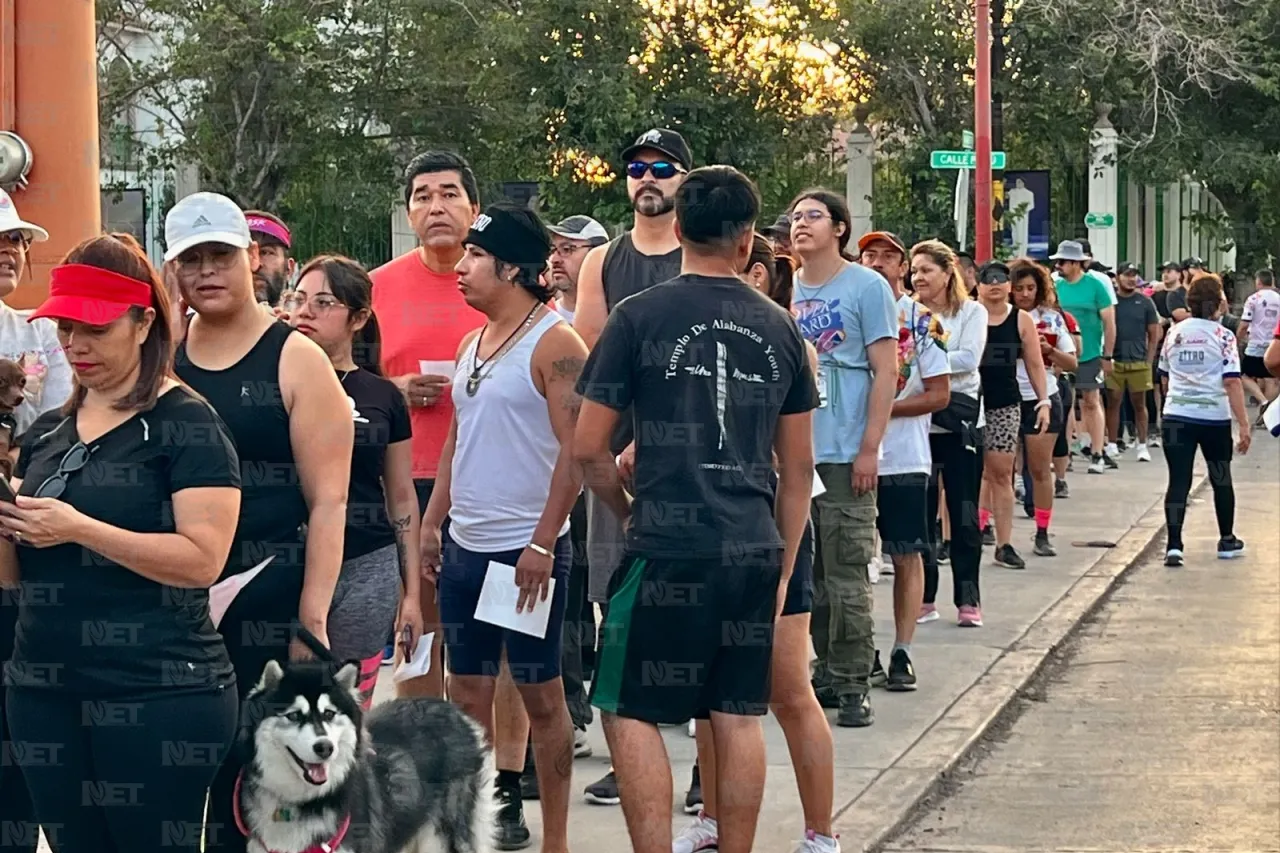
1100,220
962,159
967,140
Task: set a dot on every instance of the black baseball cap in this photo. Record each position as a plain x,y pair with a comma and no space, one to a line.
781,225
512,234
1170,265
663,140
1129,267
1193,263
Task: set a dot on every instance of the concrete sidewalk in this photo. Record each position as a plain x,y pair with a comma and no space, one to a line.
1155,726
966,676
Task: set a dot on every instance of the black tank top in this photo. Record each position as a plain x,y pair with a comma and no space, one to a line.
626,272
999,367
247,397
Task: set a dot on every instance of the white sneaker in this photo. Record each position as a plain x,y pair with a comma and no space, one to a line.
814,843
581,746
1112,450
1144,455
701,834
1097,466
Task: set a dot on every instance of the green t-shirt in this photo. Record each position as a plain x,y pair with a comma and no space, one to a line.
1085,300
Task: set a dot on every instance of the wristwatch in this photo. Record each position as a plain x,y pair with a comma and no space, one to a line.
1105,357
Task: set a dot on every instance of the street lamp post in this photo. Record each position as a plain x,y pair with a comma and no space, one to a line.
982,228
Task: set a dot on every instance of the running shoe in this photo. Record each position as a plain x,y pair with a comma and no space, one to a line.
701,834
969,617
928,613
604,792
1173,558
1229,547
1144,455
902,675
693,797
1061,489
878,676
815,843
1043,548
1008,558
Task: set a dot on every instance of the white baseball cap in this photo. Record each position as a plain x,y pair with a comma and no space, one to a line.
11,221
204,218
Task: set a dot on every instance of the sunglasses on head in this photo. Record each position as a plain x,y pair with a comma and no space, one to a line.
662,170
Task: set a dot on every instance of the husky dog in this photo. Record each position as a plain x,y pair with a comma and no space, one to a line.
413,776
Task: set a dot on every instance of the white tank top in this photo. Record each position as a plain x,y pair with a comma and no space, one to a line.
505,450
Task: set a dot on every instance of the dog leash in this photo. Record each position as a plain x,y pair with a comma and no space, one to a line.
324,847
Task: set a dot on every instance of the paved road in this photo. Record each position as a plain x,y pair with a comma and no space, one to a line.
948,661
1159,730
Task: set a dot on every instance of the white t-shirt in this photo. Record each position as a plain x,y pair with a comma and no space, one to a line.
1197,355
49,378
922,354
966,338
566,313
1054,328
1261,312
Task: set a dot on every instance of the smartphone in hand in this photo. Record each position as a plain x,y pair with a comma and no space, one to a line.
6,491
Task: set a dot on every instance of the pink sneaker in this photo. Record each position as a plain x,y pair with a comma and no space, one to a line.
970,617
928,613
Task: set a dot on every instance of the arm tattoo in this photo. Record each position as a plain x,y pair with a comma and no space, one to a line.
401,527
569,368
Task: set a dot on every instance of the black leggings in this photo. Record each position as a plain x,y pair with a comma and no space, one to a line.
121,776
961,472
1181,438
19,833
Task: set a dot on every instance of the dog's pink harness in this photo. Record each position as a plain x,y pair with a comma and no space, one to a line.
324,847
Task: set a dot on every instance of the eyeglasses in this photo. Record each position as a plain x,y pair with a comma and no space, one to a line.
566,250
321,303
662,170
811,215
222,257
72,461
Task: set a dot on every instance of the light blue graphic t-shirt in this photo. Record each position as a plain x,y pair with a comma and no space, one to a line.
840,318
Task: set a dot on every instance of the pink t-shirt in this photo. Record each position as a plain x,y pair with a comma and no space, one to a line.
422,317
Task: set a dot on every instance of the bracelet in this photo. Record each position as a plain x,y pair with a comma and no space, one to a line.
1105,357
1044,404
538,549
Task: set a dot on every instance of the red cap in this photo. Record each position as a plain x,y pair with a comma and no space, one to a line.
91,295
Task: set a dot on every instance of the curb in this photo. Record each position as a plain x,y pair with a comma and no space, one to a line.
877,814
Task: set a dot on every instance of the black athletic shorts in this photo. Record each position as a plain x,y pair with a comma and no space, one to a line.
800,587
682,638
903,514
1055,416
1255,367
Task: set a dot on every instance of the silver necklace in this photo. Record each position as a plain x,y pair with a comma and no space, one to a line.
476,377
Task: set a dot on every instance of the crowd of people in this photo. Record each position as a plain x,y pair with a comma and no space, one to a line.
718,430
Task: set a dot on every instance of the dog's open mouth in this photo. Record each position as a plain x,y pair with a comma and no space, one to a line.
316,774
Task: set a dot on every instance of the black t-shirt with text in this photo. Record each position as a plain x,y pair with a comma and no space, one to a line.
381,419
709,365
88,625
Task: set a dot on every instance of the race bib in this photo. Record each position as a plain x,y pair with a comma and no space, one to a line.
822,387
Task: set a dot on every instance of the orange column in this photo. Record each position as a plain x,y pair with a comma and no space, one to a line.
55,105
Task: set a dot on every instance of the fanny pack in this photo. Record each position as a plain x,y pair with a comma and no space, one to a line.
960,417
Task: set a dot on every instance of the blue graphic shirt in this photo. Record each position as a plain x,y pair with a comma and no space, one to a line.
840,318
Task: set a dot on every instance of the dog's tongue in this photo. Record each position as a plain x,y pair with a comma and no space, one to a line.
317,774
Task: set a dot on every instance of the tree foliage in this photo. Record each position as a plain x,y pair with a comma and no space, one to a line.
310,107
